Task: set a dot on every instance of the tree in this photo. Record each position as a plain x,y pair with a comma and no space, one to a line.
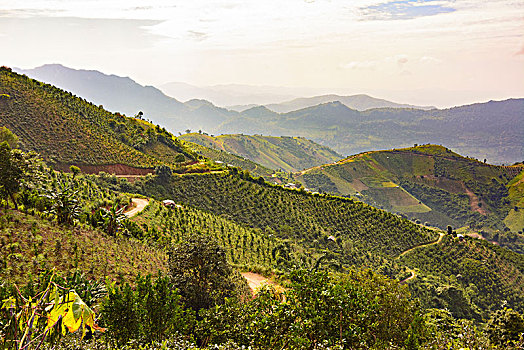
188,131
198,268
113,219
75,170
14,168
65,205
505,327
164,172
7,136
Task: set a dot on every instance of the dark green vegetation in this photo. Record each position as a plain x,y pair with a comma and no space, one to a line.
474,277
358,229
277,153
66,129
476,130
429,183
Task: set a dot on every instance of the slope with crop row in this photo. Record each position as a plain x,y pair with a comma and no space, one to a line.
67,129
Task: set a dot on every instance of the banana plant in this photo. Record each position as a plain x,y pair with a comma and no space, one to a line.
53,312
113,219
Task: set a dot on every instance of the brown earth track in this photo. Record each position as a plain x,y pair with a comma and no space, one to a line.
474,201
138,205
116,169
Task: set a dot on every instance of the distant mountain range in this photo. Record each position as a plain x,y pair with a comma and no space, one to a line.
124,95
359,102
231,94
492,130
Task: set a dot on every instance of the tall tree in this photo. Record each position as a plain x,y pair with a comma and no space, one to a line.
8,136
14,167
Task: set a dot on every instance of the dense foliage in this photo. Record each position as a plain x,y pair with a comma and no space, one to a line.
479,277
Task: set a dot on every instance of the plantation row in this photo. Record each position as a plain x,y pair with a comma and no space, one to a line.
293,214
487,275
244,246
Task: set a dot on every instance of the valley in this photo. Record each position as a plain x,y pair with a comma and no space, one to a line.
145,226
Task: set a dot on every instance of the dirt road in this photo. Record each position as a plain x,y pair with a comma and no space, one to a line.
255,280
138,205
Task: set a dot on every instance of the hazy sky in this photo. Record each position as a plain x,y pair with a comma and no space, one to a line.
435,52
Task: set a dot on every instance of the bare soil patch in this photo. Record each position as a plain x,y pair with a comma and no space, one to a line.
255,280
117,169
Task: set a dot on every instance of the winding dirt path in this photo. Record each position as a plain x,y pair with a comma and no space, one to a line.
441,235
138,205
413,273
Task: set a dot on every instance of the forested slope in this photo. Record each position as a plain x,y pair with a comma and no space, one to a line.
430,183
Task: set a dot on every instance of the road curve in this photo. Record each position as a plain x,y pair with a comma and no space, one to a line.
138,205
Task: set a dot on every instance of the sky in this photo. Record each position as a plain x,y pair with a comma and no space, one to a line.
433,52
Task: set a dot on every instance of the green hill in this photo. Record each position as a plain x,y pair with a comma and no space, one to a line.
229,159
260,226
278,153
475,276
66,129
430,183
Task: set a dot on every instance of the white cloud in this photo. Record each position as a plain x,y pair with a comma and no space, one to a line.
359,65
429,60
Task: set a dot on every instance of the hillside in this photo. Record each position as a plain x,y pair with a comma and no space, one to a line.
492,130
430,183
227,158
315,231
358,102
124,95
460,264
65,129
277,153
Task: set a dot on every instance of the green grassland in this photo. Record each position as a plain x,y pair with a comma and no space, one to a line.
277,153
